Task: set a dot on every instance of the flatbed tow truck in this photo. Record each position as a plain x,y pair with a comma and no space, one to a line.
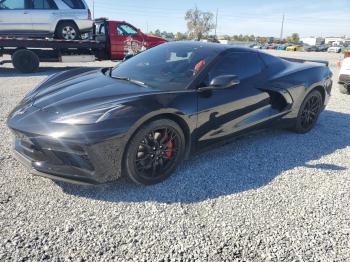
109,42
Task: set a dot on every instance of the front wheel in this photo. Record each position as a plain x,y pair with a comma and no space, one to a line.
154,152
67,31
309,112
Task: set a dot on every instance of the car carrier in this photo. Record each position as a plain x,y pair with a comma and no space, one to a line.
108,43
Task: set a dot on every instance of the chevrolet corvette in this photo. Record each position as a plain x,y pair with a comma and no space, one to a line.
143,117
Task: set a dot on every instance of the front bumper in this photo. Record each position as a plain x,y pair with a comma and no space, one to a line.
69,162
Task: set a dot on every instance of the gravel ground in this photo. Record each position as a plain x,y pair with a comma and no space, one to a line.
269,196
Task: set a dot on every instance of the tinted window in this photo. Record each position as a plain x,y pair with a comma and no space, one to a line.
243,65
126,30
43,4
74,4
12,4
167,66
101,29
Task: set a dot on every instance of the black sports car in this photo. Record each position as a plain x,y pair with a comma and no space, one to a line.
146,115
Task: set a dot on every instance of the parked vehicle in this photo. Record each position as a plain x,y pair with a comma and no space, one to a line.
294,48
63,19
143,117
282,47
272,46
322,48
344,76
310,48
110,43
335,49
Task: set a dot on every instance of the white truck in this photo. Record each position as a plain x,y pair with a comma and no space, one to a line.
344,76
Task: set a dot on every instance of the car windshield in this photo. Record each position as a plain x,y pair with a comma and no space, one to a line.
170,66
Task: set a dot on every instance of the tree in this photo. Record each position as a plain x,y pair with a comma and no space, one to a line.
180,36
294,38
167,35
199,23
157,32
164,34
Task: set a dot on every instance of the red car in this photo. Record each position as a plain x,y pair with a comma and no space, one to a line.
121,32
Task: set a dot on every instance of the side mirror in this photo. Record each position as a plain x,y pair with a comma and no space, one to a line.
222,82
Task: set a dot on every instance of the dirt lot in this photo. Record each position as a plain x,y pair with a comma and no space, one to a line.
274,196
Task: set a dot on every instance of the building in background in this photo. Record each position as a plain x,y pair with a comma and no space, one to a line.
313,40
337,41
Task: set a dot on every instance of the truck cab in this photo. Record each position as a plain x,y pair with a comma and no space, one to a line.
117,34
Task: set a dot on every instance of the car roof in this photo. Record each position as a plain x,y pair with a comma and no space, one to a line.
215,46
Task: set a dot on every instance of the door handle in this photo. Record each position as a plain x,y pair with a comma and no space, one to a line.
25,13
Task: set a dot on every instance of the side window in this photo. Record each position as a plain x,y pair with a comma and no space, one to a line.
126,30
43,4
102,29
12,4
74,4
244,65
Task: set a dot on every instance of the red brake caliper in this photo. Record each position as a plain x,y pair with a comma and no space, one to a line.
170,152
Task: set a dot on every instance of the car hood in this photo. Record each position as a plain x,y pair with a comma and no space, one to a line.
81,88
155,39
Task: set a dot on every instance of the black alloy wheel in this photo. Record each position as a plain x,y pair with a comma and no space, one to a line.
154,152
309,112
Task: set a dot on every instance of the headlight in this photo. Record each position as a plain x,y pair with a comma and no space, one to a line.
87,117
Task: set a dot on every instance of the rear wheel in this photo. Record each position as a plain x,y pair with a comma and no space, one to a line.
154,152
25,61
67,31
309,112
344,89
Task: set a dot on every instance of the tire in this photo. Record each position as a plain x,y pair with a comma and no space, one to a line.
154,152
67,31
309,112
344,89
25,61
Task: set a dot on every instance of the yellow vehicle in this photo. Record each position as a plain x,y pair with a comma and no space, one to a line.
294,48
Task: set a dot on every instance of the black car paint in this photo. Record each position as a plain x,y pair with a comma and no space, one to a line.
94,153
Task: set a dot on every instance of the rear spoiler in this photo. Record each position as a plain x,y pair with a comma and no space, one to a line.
295,60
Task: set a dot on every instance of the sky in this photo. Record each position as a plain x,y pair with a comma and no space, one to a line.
258,17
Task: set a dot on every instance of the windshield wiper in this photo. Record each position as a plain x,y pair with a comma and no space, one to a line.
134,81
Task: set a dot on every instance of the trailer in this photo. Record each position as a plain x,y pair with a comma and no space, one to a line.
108,43
26,54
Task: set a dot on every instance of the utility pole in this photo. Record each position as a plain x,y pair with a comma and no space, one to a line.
93,9
216,21
281,36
